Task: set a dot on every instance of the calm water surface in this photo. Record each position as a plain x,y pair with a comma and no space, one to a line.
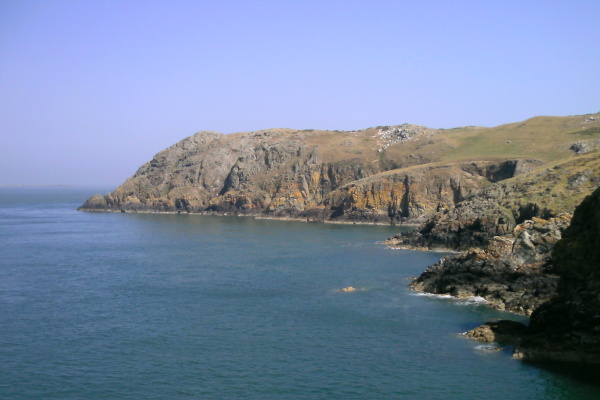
126,306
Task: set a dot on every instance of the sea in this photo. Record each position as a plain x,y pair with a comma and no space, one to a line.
157,306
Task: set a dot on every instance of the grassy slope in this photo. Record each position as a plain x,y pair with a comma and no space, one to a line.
558,186
543,138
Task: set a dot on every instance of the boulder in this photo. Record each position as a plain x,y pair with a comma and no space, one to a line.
503,331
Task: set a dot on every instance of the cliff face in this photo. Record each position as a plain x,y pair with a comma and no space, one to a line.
511,272
417,193
251,173
507,232
568,327
496,210
285,173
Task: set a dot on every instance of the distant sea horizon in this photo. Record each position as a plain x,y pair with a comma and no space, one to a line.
41,185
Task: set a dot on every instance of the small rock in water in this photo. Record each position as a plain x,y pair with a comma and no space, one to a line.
498,331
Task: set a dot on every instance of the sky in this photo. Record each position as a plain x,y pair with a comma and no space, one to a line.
91,90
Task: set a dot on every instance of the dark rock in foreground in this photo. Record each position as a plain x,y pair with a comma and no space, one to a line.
568,327
507,232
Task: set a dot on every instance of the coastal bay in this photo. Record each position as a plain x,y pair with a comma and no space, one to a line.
101,305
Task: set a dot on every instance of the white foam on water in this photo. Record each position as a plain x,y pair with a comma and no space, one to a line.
487,348
438,296
473,300
463,301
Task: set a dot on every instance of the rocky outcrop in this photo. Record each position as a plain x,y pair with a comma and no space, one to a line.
497,209
251,173
388,136
298,174
568,327
585,146
417,193
512,272
509,230
388,174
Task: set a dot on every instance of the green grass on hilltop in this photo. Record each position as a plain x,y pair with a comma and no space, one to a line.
543,138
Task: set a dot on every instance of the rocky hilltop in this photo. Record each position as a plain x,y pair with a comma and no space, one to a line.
387,174
283,173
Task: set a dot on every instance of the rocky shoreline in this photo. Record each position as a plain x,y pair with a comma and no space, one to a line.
511,273
517,249
550,270
254,216
504,235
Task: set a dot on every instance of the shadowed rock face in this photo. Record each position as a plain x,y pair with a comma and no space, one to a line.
568,327
283,173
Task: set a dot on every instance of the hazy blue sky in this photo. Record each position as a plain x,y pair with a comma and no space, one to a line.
90,90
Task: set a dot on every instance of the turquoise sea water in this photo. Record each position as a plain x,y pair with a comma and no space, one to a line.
137,306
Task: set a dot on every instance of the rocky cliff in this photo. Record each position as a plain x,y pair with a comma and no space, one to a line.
386,174
416,193
303,174
567,328
495,210
251,173
506,232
